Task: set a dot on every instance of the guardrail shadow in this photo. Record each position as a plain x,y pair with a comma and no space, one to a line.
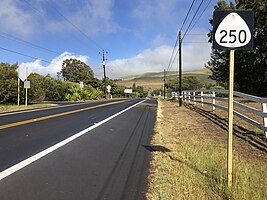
247,135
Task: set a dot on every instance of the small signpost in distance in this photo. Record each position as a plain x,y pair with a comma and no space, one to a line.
23,74
233,30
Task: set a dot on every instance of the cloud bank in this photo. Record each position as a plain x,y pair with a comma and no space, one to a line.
154,60
149,60
54,66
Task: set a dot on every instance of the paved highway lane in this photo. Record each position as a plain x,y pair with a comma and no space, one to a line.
108,162
7,118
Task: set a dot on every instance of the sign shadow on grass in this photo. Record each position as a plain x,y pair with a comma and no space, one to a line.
159,148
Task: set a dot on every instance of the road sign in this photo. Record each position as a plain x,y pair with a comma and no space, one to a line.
128,91
108,87
23,72
233,29
81,84
27,84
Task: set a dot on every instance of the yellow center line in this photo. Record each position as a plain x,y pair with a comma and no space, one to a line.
57,115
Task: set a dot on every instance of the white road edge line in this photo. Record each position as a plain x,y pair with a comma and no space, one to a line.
45,152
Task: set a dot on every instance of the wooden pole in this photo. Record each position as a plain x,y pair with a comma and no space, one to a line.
164,90
18,89
230,120
180,69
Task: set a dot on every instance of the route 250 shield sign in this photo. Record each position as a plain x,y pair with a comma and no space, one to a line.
233,29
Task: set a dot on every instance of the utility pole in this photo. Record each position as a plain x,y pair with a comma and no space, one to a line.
180,69
104,67
164,85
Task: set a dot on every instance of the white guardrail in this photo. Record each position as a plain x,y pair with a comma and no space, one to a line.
199,96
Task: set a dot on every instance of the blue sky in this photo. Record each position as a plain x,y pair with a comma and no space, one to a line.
138,34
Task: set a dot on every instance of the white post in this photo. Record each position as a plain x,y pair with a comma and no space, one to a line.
201,94
213,101
185,96
194,93
264,110
189,93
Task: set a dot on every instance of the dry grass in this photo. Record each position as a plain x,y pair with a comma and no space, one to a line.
195,165
9,108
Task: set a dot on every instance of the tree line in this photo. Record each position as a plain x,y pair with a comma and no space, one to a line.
64,88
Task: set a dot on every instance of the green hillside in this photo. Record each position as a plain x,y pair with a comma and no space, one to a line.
154,80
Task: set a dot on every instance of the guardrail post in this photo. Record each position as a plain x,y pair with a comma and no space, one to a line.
213,101
264,110
189,93
194,93
201,94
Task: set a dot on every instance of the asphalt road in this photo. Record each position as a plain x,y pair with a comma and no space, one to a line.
90,158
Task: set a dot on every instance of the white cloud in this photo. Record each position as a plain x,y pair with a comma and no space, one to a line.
15,19
90,16
159,40
55,65
154,60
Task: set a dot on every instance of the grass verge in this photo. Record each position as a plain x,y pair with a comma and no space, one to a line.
9,108
189,160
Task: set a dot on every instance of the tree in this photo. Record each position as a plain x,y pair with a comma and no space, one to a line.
140,90
75,71
188,83
250,66
36,91
191,83
8,83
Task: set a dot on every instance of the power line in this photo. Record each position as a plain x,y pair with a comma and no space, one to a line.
187,14
197,42
10,37
193,18
200,15
172,59
22,54
52,5
29,56
174,47
196,33
36,11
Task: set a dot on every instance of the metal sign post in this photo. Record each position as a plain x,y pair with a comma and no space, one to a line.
26,86
26,98
233,30
18,89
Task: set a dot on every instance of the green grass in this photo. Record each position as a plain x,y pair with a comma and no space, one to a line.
9,108
195,167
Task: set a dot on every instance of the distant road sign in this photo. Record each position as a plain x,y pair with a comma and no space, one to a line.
108,87
81,84
128,91
233,29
